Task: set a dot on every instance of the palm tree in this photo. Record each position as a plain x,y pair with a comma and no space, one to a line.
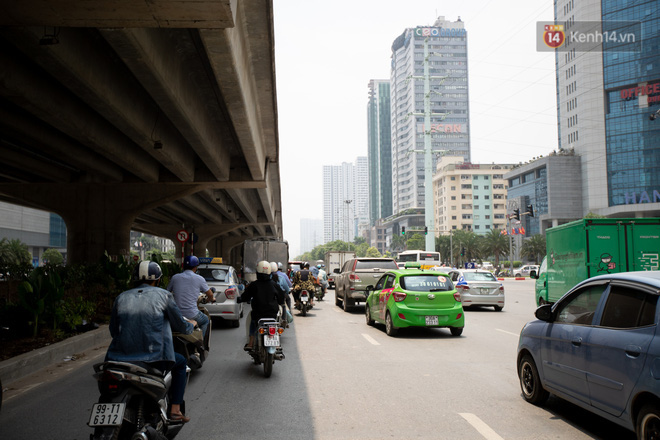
496,244
534,247
442,245
468,240
398,244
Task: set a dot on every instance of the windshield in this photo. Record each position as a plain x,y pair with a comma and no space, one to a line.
214,274
375,264
426,283
479,276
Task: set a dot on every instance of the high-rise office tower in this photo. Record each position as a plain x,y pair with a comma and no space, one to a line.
380,150
607,90
448,72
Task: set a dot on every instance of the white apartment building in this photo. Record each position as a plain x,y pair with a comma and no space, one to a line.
345,200
471,197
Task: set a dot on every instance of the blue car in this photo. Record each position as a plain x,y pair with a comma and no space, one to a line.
599,348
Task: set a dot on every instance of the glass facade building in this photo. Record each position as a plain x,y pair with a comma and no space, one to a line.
607,98
379,150
631,73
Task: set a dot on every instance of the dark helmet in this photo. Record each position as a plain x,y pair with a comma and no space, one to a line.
147,271
305,265
190,261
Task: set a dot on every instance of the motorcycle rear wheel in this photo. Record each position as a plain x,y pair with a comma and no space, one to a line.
303,309
268,364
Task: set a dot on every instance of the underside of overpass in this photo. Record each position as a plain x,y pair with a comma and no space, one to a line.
153,115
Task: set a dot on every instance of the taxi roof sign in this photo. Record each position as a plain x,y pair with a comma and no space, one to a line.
210,260
412,265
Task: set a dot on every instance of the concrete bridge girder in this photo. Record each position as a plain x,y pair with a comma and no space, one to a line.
79,120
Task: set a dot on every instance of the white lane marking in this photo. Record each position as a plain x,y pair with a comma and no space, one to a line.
508,333
370,339
480,426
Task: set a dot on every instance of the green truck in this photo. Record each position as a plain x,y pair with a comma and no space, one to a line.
585,248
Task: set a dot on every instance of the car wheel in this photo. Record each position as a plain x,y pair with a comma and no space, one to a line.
456,331
389,326
236,323
498,308
337,301
367,314
518,275
345,304
530,383
648,422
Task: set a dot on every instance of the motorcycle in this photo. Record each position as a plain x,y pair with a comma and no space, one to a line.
267,349
134,403
194,347
303,304
319,293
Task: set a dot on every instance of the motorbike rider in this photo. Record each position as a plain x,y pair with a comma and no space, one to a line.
323,278
186,287
285,284
141,327
303,280
265,297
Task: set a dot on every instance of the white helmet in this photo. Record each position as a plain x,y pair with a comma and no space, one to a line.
263,267
273,267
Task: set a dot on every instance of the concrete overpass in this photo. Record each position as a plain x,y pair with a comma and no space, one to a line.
151,115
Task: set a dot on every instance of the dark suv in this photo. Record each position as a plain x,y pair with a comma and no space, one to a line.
356,274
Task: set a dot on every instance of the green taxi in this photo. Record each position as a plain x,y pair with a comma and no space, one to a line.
412,297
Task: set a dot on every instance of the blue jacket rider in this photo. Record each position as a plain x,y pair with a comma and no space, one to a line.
141,328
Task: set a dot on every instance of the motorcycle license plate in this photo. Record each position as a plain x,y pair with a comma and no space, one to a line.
271,341
432,320
107,414
304,298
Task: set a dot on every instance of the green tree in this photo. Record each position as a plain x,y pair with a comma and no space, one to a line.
359,240
496,244
468,240
534,248
398,243
442,245
416,242
52,257
14,252
372,252
361,250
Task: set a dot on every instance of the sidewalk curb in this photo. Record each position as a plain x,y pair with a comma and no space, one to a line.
28,363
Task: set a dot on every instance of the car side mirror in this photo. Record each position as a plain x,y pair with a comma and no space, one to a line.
533,274
336,271
369,289
544,313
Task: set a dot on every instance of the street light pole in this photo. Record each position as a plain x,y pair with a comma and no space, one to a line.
346,231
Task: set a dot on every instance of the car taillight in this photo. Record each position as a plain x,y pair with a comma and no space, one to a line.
354,277
399,296
272,330
501,288
462,287
230,293
457,296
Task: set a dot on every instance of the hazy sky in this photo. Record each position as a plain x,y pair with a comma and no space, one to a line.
327,51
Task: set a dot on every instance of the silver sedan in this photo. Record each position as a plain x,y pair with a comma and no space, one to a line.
478,288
